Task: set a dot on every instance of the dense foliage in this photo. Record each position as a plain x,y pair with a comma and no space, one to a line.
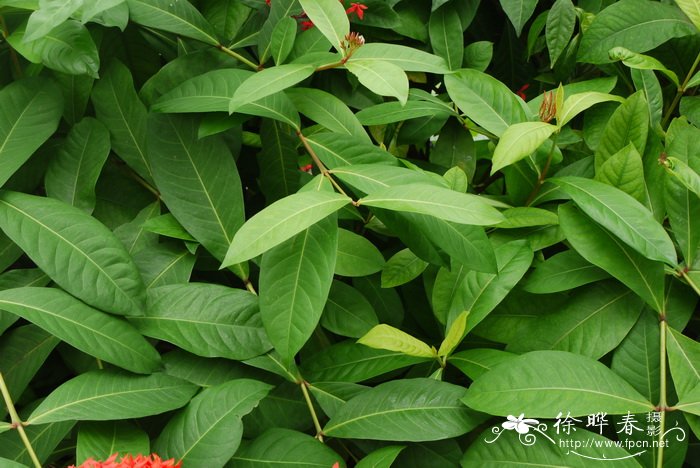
322,233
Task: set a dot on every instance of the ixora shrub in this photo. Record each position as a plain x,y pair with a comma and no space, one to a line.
322,233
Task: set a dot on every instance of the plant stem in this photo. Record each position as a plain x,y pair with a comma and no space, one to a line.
662,407
679,93
249,286
304,389
690,282
543,174
320,165
239,57
17,422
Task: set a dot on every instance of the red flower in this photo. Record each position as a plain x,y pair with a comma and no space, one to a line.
306,25
521,91
358,9
151,461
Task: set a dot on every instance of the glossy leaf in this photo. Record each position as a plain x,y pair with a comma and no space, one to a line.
406,58
347,312
267,82
683,354
577,383
561,21
356,255
178,17
50,14
280,221
206,319
285,447
208,431
518,11
641,62
75,250
390,112
381,458
442,203
454,335
381,77
106,395
623,216
100,440
29,115
404,410
446,36
625,171
562,272
519,141
577,103
401,268
330,18
392,339
93,332
476,362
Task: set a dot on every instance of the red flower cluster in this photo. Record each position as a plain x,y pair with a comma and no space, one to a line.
151,461
356,8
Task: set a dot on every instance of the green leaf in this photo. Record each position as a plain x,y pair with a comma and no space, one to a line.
519,141
24,350
72,174
106,395
525,216
330,18
91,331
278,161
625,171
478,55
518,12
380,77
543,383
577,103
435,201
164,264
75,250
332,395
133,235
268,81
401,268
481,292
392,339
68,48
351,362
208,431
412,410
280,221
641,62
406,58
691,8
647,81
455,334
334,149
684,361
561,272
197,179
44,439
50,14
347,312
118,107
592,323
283,447
685,175
386,302
205,319
100,440
166,225
604,250
178,17
282,41
295,278
390,112
691,402
381,458
30,110
622,215
356,256
446,36
476,362
561,21
639,25
327,110
485,100
370,178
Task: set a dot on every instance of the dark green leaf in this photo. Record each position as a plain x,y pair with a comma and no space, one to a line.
288,448
100,440
178,17
562,272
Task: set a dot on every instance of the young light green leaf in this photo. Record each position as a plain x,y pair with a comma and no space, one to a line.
330,18
206,319
91,331
30,110
485,100
392,339
72,174
280,221
178,17
406,58
268,81
622,215
356,256
401,268
562,272
640,25
561,21
577,103
75,250
413,410
107,395
519,141
539,383
691,8
641,62
442,203
197,179
101,439
208,431
604,250
284,447
518,12
295,278
381,77
454,335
